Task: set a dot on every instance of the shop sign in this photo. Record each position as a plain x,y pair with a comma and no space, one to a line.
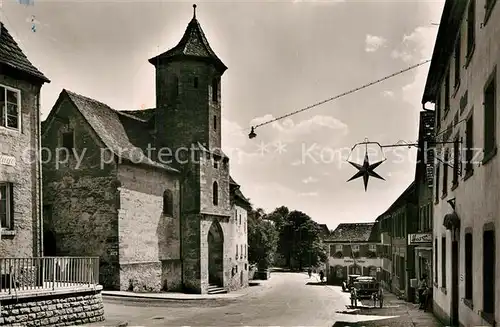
419,238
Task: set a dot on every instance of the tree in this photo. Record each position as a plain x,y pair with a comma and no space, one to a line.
262,240
300,242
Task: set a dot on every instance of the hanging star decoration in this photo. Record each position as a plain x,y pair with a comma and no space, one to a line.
366,170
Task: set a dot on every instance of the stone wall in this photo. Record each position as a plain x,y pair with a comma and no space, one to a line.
81,195
185,110
21,239
147,236
54,310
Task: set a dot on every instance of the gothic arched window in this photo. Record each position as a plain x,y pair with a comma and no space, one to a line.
168,203
215,195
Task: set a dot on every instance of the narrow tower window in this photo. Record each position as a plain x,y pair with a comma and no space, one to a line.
215,90
215,195
176,85
215,122
195,82
168,203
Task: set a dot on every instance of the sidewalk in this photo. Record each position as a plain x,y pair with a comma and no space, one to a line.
256,285
409,314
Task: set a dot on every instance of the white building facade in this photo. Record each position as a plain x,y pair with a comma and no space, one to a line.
353,250
463,84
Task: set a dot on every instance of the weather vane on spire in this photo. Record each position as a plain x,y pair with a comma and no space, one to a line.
194,11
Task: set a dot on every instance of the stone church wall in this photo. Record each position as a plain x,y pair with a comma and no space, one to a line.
149,240
80,200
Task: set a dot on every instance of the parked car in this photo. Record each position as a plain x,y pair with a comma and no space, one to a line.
366,286
347,284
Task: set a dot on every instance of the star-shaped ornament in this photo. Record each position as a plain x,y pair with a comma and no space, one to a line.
366,170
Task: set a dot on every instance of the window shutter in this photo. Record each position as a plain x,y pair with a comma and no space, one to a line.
11,205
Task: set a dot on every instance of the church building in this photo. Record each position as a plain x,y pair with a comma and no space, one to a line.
149,191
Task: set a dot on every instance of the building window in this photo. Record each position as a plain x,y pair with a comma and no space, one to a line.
438,110
68,140
457,61
469,271
176,85
456,161
195,82
215,90
338,248
236,251
215,123
355,248
372,248
489,262
215,193
239,220
241,251
443,262
469,145
168,203
445,171
436,178
471,28
216,164
489,117
447,92
10,104
436,261
7,205
245,248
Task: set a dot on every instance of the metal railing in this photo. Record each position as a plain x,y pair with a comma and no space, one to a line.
47,273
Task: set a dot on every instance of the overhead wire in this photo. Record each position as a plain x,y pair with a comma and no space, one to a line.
339,95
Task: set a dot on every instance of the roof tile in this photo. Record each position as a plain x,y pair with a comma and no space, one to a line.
355,232
11,55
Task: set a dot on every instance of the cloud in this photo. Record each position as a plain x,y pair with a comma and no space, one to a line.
373,43
309,194
289,130
417,45
388,94
309,180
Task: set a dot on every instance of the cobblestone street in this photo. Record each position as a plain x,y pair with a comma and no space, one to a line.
287,299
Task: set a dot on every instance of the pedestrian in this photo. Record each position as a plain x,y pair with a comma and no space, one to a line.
321,275
309,271
422,288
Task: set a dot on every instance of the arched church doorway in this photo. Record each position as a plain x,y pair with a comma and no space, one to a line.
215,254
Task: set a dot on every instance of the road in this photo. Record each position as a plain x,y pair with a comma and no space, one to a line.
287,299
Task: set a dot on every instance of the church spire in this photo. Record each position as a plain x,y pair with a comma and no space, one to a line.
193,45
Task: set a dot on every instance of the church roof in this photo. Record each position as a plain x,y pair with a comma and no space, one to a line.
11,55
124,134
194,45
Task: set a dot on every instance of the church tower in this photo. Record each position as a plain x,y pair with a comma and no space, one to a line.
188,92
188,112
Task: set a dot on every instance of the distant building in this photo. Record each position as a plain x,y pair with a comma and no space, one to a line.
463,83
352,251
157,222
397,257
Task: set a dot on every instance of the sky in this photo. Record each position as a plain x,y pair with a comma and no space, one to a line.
281,56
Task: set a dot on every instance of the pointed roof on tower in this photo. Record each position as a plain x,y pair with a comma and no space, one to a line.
193,45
